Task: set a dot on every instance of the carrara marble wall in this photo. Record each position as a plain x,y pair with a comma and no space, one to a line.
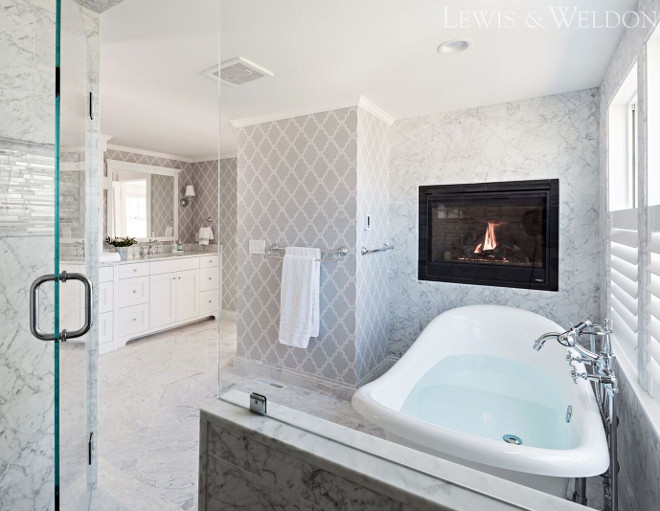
27,82
541,138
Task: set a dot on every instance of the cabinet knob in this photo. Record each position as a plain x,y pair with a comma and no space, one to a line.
179,278
209,278
209,301
134,270
134,319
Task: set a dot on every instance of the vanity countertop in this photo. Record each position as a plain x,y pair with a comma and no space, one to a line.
154,257
161,257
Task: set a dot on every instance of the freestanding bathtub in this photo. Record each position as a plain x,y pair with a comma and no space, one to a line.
472,379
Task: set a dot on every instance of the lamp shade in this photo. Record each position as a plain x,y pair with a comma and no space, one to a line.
190,191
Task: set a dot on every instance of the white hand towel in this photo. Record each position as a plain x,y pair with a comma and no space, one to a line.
205,235
299,297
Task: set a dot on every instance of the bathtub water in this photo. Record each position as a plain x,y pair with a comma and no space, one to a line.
471,379
490,397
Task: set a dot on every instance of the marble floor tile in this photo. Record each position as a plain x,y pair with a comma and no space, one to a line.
150,393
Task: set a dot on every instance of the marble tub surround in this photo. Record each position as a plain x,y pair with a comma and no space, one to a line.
541,138
254,462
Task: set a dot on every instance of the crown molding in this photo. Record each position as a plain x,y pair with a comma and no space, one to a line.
375,110
278,116
362,102
155,154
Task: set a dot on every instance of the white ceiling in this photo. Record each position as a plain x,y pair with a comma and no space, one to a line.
326,53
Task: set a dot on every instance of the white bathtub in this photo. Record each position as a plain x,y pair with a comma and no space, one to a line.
472,377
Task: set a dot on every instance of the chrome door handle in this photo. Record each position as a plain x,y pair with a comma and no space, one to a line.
34,307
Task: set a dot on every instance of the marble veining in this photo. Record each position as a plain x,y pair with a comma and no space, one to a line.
336,476
541,138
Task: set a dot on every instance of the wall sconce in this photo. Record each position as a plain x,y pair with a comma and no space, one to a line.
187,199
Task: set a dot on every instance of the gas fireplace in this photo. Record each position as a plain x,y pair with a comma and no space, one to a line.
492,234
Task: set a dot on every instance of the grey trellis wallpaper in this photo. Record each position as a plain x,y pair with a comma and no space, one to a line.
372,284
541,138
296,187
228,221
161,204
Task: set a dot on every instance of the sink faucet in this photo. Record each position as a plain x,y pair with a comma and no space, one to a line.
150,244
79,248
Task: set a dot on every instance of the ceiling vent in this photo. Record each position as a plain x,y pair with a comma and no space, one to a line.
237,71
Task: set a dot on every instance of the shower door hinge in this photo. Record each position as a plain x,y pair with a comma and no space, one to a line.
91,106
90,448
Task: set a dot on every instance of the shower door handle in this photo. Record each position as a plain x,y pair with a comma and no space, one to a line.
34,306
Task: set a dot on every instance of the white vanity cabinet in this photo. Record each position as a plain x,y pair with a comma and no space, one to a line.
139,298
158,294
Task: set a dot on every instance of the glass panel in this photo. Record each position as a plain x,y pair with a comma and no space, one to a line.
27,216
78,246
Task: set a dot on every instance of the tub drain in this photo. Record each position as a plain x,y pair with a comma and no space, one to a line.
512,439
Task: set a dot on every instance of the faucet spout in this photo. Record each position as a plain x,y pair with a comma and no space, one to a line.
538,344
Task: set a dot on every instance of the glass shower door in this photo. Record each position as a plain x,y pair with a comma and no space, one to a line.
46,393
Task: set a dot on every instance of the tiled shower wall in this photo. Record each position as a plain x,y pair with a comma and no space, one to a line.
297,187
541,138
372,285
27,81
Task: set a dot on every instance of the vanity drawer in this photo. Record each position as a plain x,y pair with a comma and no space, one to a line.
106,296
106,273
128,271
174,265
133,291
208,261
208,279
208,302
133,320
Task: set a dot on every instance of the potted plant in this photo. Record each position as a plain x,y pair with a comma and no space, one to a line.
121,245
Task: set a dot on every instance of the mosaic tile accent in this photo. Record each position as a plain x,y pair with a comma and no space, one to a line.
372,282
296,187
541,138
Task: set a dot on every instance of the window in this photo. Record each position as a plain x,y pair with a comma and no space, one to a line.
623,216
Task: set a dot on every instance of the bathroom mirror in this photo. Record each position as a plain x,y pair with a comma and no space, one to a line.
142,201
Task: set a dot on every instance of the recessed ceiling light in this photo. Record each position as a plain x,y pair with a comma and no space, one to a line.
454,46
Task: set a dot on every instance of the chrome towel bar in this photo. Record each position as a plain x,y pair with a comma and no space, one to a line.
384,248
278,252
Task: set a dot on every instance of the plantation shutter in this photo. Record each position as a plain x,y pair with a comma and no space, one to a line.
624,281
653,287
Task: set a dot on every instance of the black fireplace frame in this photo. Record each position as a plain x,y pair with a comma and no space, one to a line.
486,274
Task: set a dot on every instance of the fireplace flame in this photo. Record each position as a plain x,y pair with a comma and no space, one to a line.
490,240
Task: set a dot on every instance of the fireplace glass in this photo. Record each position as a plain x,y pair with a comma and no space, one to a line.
498,234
